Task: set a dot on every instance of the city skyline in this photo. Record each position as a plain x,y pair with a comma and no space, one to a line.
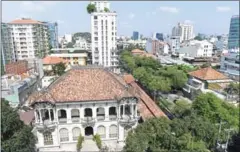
149,17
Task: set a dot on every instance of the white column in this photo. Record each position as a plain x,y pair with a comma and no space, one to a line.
94,112
40,114
36,117
68,111
123,110
81,113
49,115
119,111
56,116
135,110
106,110
107,131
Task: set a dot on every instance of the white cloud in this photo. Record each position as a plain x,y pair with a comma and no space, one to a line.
131,15
125,24
169,9
223,9
188,22
60,22
30,6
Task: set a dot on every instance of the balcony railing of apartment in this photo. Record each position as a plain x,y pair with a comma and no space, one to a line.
62,120
100,117
112,117
75,119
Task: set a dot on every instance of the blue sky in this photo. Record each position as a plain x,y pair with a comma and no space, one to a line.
143,16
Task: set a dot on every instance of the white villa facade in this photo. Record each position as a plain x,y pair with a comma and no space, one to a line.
102,105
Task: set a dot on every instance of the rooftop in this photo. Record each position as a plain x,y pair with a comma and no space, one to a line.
208,74
25,21
88,83
53,60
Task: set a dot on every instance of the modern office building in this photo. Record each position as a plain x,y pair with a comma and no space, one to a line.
233,39
230,64
104,32
185,31
135,35
30,38
174,43
158,36
53,32
7,48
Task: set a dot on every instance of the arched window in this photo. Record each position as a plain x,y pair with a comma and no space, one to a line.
37,116
112,113
100,114
76,133
101,131
62,116
88,112
64,135
75,115
47,137
113,131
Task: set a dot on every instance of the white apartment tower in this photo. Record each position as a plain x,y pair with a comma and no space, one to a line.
104,32
185,31
30,38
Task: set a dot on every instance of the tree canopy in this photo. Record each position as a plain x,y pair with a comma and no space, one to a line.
59,69
91,8
15,136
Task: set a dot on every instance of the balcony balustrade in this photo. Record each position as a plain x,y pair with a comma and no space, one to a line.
75,119
62,120
100,117
113,117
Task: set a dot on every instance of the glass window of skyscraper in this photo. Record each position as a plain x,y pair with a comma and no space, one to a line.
233,39
135,35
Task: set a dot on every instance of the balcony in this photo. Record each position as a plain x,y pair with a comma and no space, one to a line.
113,135
127,120
62,120
88,121
112,117
100,117
45,125
75,119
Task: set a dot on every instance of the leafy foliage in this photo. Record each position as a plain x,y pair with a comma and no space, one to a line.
98,140
91,8
59,69
15,135
199,38
79,142
106,9
69,45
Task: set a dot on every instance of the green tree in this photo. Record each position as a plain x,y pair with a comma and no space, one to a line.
198,38
15,136
91,8
69,45
59,69
106,9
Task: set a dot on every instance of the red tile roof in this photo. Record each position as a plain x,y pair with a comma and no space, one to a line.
83,84
137,51
146,105
53,60
208,74
25,21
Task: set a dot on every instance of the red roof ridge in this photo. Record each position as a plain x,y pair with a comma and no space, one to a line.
208,73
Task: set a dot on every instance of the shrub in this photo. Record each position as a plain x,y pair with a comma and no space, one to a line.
79,142
98,140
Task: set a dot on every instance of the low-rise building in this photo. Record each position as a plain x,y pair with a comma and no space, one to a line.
88,101
230,64
174,43
196,48
157,47
82,44
18,67
206,80
73,56
17,88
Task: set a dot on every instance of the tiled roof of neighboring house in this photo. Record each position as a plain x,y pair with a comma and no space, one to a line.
137,51
208,74
27,117
25,21
53,60
83,84
147,55
146,105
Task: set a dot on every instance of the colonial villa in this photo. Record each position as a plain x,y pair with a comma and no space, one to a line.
206,80
88,100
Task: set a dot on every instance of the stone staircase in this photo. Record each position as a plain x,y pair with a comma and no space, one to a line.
89,145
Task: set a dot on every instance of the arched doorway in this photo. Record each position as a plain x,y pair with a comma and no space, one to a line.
88,131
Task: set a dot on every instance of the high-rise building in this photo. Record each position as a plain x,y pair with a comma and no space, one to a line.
30,38
104,32
185,31
233,39
53,33
7,49
135,35
158,36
